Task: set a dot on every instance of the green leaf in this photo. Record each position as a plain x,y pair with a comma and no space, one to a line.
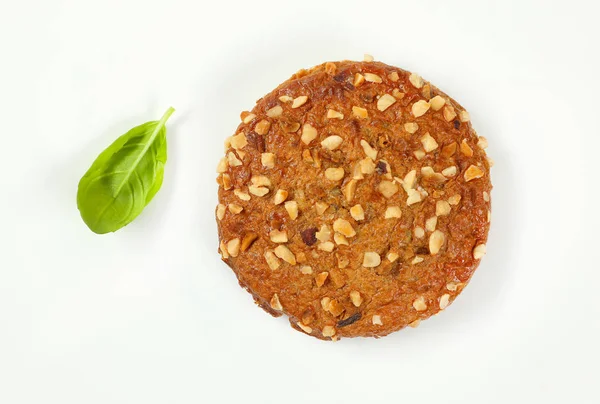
124,178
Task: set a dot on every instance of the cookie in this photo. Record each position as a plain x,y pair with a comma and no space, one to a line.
355,199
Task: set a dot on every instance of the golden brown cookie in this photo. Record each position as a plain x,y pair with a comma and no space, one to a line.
355,199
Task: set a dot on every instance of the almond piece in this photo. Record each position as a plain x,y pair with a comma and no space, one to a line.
437,102
332,142
285,254
371,260
359,112
292,209
419,108
344,227
473,172
416,80
299,101
333,114
309,133
436,241
357,212
385,101
280,196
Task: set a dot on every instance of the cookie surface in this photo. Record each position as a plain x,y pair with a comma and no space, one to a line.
355,199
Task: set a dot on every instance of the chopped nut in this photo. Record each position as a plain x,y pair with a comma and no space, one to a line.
371,260
437,102
387,188
320,280
332,142
410,180
258,191
415,323
358,79
289,127
321,207
306,270
429,143
377,320
335,308
369,151
327,246
275,303
490,161
304,328
417,260
344,227
220,211
482,142
222,166
233,247
416,80
324,234
277,236
466,149
260,181
330,68
233,160
357,212
385,101
357,172
360,112
272,260
419,304
431,223
280,196
411,127
449,113
326,300
340,239
333,114
372,78
449,150
444,300
309,133
285,98
464,116
248,240
242,195
436,241
394,76
285,254
368,58
223,248
292,209
414,196
235,209
442,208
349,190
247,117
449,171
275,111
328,331
420,107
393,212
262,127
398,94
452,286
454,199
419,154
299,101
420,232
334,174
479,251
267,160
392,256
342,262
473,172
367,166
356,298
239,141
489,215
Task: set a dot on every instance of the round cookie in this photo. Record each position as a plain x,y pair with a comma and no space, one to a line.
355,199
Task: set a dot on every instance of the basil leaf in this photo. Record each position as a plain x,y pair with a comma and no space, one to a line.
124,178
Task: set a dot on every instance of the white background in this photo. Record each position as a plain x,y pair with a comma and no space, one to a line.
150,314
